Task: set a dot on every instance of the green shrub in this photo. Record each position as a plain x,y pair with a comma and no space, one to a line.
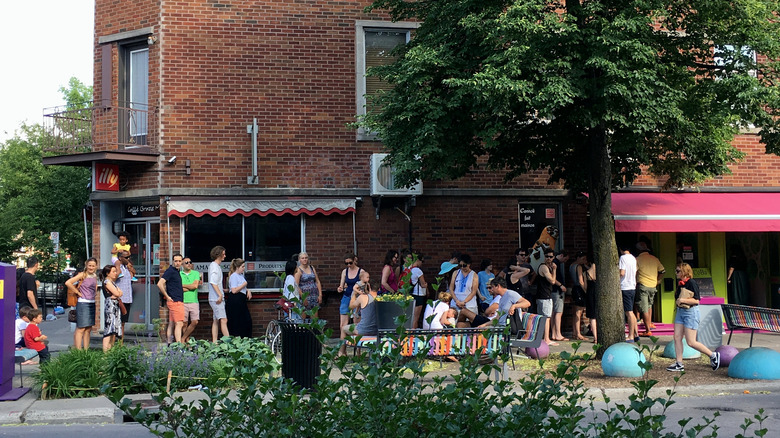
72,374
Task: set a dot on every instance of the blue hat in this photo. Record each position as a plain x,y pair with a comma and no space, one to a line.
447,267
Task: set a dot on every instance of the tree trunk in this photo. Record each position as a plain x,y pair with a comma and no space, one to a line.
609,302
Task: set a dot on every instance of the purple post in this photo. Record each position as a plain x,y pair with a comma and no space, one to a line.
7,311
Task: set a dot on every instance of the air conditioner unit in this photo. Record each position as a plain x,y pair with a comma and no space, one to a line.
383,180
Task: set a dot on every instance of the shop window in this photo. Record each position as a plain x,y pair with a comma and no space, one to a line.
203,233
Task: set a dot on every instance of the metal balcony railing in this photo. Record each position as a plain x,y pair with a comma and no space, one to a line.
93,127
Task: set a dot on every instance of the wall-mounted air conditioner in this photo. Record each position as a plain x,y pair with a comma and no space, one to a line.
383,181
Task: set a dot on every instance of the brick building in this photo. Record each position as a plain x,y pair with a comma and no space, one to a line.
228,123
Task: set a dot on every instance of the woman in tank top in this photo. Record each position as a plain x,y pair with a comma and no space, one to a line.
85,306
363,300
309,284
349,277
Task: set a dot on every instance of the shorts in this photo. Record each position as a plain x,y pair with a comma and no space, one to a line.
479,320
176,311
420,300
344,307
218,310
628,299
645,296
85,315
557,299
126,316
544,307
689,318
191,311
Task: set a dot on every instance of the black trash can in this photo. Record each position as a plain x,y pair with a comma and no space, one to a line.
301,352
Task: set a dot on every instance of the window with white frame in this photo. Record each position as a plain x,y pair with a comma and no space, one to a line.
375,42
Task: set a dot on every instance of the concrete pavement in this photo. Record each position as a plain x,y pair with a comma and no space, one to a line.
30,410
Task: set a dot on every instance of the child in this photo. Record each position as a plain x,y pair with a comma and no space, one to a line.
32,336
122,245
451,317
21,325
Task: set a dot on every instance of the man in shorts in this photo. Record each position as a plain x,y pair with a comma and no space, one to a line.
171,288
547,280
125,283
217,294
649,272
190,280
627,266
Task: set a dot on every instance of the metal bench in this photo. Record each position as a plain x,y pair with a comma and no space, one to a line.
749,317
530,331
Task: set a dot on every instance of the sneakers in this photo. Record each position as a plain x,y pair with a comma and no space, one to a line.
715,361
676,367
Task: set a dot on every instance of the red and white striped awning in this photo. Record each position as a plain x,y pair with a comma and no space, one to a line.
261,207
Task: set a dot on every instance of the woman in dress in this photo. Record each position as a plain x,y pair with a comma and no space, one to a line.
309,284
239,319
349,277
686,319
85,306
112,317
390,273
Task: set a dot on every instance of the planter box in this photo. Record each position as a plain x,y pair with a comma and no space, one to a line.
386,312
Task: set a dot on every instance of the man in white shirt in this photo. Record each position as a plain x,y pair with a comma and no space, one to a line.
627,266
217,294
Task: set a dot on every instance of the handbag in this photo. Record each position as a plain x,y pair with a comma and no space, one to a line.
122,308
685,293
72,315
72,299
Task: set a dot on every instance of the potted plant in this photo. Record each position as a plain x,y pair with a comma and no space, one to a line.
390,306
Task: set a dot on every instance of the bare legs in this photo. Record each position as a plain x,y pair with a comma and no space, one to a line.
577,323
81,338
690,336
416,317
188,331
633,331
216,326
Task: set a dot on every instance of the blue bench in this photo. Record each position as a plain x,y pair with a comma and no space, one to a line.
21,356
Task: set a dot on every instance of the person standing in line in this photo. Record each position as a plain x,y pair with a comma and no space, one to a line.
686,319
649,274
28,285
464,286
125,283
390,273
419,290
349,277
308,283
112,316
87,281
236,303
171,288
217,294
485,275
290,291
559,295
190,281
544,302
578,294
627,266
591,301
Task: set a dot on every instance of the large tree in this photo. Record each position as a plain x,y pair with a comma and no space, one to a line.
35,199
593,92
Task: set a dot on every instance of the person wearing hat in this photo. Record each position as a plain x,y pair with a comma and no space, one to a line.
449,265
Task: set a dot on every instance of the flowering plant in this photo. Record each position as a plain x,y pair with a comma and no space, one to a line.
401,299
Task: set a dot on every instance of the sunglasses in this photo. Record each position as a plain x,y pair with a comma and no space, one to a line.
188,262
462,265
549,257
522,255
677,271
348,263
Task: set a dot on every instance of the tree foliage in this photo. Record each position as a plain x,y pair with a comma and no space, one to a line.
35,199
593,92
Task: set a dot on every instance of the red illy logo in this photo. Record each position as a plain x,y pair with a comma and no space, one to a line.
107,177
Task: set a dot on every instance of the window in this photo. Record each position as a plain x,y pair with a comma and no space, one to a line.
134,94
374,43
729,57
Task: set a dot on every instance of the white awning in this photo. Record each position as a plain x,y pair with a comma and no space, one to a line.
261,207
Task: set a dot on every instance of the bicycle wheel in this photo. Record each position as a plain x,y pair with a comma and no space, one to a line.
271,331
276,347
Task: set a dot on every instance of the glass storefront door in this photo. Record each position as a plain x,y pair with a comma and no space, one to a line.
145,255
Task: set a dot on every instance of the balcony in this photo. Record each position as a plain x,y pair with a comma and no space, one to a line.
82,134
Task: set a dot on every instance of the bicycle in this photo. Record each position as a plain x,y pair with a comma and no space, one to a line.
273,333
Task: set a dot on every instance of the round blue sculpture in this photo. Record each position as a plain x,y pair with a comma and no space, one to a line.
688,352
622,360
756,363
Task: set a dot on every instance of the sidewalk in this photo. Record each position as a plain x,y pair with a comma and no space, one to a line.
29,409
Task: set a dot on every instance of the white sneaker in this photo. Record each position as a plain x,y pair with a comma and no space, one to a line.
676,367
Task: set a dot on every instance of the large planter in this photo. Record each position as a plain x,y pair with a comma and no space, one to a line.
386,312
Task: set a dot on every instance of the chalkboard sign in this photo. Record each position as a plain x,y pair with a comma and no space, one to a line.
706,288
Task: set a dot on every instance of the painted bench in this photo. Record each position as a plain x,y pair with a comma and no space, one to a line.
21,356
530,330
748,317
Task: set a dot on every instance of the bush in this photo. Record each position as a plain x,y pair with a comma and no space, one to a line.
73,374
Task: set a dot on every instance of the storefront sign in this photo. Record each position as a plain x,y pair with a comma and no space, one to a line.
533,219
142,210
105,177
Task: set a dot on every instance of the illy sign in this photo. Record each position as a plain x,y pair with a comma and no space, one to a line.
105,177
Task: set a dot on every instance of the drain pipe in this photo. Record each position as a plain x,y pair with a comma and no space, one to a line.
252,130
